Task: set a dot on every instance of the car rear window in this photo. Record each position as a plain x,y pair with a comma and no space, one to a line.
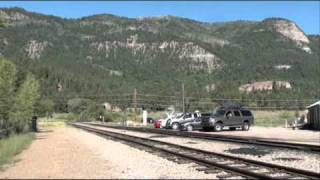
246,113
219,113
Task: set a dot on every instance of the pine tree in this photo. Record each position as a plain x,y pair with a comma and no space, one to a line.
23,107
7,85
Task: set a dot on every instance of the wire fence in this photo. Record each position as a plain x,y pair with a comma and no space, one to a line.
161,102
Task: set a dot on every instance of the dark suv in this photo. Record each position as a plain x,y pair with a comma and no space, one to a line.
228,117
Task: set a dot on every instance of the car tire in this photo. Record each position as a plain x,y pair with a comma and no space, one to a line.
245,126
189,128
218,127
175,126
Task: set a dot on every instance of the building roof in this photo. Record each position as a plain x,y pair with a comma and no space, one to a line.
314,104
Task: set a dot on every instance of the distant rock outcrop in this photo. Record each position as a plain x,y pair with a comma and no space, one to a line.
290,30
264,85
283,67
35,48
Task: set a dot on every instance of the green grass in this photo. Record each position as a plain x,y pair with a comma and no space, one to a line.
13,145
57,119
61,117
274,118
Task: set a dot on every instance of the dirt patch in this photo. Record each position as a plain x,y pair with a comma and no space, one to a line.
158,136
250,151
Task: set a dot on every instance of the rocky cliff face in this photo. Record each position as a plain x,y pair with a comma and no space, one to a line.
34,49
197,57
291,31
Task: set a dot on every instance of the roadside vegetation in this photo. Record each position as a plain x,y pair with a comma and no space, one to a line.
19,96
13,145
275,118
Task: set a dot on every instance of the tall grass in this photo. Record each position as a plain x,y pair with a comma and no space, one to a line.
13,145
274,118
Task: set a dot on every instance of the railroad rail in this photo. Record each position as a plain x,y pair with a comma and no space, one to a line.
217,137
212,162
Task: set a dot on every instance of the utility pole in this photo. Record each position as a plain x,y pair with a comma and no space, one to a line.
135,99
183,98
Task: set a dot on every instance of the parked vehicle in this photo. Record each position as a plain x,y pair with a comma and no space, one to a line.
193,124
157,124
173,115
150,120
231,117
175,123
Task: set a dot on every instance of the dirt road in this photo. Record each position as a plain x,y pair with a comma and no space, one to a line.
55,154
66,152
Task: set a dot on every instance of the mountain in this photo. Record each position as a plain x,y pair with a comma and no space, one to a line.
106,54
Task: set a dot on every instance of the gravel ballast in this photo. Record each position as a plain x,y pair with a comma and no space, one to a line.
285,157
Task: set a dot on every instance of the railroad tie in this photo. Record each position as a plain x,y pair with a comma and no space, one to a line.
285,177
182,161
250,168
212,171
225,176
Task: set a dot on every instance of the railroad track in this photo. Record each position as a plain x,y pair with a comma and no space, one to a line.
224,138
211,162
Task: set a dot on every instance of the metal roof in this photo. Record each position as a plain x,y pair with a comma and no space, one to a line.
314,104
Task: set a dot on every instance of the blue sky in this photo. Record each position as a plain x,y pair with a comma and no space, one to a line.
305,14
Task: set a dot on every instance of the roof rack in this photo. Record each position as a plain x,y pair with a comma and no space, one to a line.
231,105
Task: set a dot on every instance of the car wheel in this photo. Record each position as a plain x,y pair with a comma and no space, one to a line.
245,126
189,128
175,126
218,127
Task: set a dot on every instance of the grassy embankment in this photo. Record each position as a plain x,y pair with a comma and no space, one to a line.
13,145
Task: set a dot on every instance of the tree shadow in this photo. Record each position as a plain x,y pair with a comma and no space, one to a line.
158,136
44,131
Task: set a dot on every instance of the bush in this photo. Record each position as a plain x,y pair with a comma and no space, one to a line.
113,116
78,105
92,112
44,107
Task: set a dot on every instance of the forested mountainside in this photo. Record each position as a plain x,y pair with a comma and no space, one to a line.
106,54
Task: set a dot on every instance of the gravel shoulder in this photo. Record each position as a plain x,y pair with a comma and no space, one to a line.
276,133
66,152
55,153
291,158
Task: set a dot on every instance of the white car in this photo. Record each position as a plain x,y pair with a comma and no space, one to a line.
173,115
